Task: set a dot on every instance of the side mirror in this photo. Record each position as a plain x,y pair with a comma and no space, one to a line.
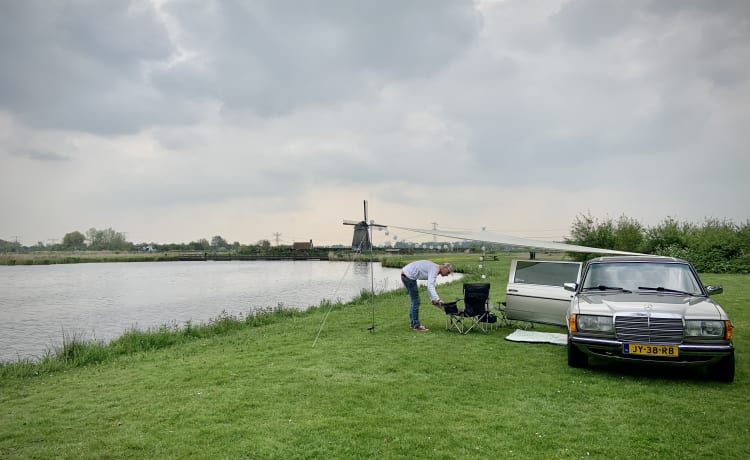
713,289
570,286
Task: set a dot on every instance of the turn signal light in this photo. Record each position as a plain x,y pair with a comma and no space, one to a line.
728,330
573,326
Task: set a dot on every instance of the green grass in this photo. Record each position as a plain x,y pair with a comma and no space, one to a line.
75,257
263,391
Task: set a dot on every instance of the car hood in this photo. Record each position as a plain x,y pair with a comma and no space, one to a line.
689,307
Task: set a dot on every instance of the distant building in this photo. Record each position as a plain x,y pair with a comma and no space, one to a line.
302,246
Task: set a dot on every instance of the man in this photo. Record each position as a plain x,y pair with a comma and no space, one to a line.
422,270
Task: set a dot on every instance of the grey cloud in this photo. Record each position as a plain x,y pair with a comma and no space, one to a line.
708,40
40,155
81,65
275,56
561,113
698,34
736,9
534,145
111,67
205,182
586,22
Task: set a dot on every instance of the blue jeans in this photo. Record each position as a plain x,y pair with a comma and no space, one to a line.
413,290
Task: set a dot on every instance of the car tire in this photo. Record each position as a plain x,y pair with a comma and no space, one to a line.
723,371
576,358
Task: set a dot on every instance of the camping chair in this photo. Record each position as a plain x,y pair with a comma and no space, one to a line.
476,307
453,316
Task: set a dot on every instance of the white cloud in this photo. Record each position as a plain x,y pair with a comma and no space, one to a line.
174,121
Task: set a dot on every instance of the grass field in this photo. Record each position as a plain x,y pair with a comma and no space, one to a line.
74,257
266,392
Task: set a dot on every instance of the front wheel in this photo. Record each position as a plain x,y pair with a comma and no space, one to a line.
576,358
723,371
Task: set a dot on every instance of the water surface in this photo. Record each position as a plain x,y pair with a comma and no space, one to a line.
38,304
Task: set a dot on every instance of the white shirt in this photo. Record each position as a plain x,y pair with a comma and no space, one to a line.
424,270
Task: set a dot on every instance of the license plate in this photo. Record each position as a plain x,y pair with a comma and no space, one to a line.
650,350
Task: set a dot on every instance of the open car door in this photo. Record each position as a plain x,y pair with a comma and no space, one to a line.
535,290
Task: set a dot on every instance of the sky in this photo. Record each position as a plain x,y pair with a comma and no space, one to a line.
172,121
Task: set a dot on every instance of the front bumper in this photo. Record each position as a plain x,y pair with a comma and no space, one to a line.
689,354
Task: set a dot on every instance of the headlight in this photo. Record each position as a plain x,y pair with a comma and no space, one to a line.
701,328
591,323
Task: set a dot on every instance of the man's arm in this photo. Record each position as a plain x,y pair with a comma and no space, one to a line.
431,278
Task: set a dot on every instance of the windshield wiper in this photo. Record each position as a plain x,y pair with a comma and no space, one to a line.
663,289
602,287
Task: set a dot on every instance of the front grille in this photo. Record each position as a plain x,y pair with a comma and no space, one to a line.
648,329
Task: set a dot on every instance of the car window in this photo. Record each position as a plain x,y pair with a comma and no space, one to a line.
546,273
635,276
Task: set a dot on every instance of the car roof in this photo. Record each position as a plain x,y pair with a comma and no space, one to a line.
645,258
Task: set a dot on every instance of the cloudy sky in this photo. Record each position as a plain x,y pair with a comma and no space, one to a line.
172,121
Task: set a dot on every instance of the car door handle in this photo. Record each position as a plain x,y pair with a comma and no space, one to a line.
512,290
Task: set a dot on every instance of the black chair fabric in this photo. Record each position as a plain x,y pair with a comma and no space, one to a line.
476,303
475,312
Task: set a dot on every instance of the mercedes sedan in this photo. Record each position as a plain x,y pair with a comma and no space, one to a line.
648,309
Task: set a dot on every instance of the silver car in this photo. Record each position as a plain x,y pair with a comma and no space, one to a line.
644,309
651,310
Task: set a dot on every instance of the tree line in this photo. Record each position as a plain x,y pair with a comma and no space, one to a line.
110,240
714,246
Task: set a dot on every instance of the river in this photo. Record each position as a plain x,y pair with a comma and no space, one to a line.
100,301
38,304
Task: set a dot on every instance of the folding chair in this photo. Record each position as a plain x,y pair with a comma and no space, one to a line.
453,317
476,307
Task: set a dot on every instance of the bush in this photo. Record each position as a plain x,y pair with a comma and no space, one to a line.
716,246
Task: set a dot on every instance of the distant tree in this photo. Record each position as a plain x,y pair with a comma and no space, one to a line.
107,239
721,237
716,246
668,236
628,235
10,246
588,231
200,245
264,244
74,240
219,242
743,232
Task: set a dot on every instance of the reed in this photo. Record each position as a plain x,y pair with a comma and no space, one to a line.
78,351
75,257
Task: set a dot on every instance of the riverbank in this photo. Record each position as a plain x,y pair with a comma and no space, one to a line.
265,391
76,257
41,305
340,254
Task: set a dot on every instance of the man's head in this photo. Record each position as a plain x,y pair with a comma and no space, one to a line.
446,269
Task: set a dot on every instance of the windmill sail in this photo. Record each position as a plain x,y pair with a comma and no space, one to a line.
490,237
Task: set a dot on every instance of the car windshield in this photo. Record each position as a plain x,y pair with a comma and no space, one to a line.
642,276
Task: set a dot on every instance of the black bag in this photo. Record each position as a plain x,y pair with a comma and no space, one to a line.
489,318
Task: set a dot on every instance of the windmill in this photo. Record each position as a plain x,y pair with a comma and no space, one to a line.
362,238
362,241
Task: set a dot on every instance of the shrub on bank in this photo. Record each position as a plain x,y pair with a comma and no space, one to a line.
716,246
77,351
